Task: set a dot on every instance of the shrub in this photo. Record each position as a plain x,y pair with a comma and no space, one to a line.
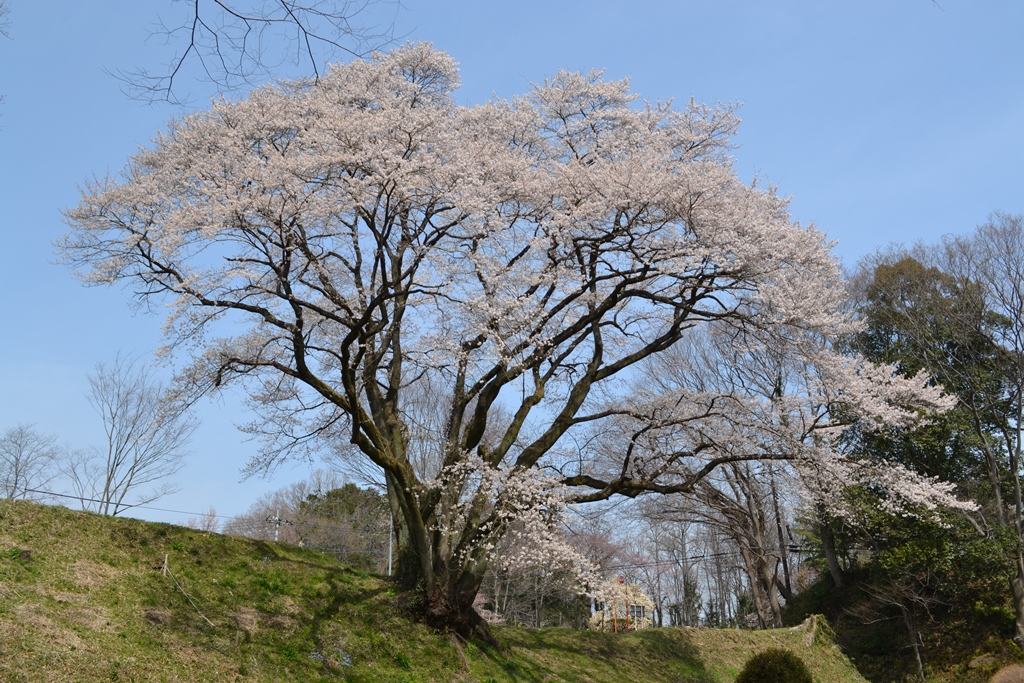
775,666
1009,674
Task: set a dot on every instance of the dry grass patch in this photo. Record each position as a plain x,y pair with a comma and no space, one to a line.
247,619
91,575
157,615
33,619
283,622
90,617
1009,674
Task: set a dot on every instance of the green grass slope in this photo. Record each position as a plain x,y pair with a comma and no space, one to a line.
85,598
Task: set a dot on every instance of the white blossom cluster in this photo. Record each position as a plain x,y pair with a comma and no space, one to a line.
522,512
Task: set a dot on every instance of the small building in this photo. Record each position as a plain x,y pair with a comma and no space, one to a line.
621,606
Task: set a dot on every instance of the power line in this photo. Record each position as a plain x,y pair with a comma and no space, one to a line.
793,548
243,518
128,507
676,562
277,521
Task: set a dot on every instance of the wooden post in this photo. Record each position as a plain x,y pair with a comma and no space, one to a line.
164,570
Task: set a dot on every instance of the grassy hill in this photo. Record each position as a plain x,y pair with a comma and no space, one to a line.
86,598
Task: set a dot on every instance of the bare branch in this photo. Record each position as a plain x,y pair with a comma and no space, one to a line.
28,460
237,44
146,438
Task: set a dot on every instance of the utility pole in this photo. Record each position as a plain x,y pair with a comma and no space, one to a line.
615,609
277,522
657,568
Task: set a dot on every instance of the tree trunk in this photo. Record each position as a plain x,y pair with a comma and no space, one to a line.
1017,586
1017,583
769,587
449,593
450,607
828,547
783,546
755,592
908,620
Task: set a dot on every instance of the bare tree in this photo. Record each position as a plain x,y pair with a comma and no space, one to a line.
4,25
736,503
205,522
83,471
237,43
146,435
27,461
911,597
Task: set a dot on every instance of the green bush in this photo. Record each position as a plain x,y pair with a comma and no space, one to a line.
775,666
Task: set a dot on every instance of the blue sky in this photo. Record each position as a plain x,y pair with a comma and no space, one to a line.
885,120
